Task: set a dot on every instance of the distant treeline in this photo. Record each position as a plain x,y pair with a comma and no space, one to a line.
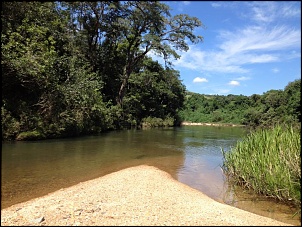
271,108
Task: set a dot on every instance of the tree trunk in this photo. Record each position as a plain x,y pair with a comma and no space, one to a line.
122,91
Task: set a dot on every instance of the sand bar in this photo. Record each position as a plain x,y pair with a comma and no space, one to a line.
140,196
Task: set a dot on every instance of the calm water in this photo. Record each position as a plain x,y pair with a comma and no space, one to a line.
191,154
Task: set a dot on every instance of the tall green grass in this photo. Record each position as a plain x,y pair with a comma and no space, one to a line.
269,162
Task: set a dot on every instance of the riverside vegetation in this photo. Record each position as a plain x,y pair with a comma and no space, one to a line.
78,68
268,161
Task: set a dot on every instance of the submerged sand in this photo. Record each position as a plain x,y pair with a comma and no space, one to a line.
141,195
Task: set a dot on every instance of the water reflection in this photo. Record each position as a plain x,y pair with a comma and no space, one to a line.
203,158
31,169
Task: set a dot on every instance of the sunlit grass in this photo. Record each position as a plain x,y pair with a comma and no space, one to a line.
269,162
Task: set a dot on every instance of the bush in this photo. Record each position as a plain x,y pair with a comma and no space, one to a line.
10,126
32,135
151,122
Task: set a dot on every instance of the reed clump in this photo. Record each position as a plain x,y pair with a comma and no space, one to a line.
269,162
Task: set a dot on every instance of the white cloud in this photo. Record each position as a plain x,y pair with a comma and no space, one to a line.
182,4
251,45
234,83
186,3
215,4
208,61
263,11
257,38
263,58
291,10
224,4
267,12
275,70
199,80
243,78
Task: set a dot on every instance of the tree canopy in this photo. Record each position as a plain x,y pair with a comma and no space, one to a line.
71,68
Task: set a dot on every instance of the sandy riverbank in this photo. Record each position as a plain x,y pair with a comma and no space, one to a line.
141,195
211,124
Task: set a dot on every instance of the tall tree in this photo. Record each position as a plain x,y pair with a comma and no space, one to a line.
149,26
126,31
154,92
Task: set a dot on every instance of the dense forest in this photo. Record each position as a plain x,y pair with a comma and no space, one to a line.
271,108
76,68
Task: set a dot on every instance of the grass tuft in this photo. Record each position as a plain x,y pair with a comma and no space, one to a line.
269,162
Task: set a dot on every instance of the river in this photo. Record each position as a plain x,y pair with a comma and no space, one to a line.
191,154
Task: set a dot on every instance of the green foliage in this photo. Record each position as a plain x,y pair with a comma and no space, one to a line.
153,122
269,162
153,92
293,99
33,135
10,126
27,55
273,107
213,108
120,34
47,84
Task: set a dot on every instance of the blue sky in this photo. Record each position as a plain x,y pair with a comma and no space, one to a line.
248,48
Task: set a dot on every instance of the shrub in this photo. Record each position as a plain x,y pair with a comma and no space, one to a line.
32,135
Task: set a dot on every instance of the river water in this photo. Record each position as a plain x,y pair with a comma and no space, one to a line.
191,154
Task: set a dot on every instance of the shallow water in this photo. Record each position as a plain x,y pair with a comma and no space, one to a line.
191,154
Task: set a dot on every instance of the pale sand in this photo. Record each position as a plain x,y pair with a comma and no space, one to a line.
141,195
